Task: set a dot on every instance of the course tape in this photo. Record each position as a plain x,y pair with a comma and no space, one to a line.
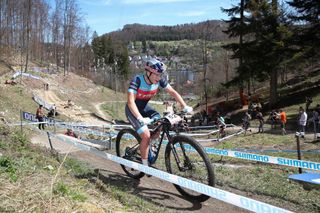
265,158
230,153
84,130
277,151
79,128
27,123
228,197
25,74
256,157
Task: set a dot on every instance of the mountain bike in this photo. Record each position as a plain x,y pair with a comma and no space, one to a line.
183,155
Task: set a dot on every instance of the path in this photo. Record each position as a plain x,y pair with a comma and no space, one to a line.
153,189
76,113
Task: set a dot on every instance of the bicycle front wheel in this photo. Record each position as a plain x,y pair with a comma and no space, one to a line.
127,147
185,157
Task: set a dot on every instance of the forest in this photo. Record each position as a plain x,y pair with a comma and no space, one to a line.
261,41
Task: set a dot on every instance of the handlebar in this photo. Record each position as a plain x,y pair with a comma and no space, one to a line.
176,120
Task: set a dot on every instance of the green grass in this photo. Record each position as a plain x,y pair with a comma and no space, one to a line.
27,172
271,183
115,109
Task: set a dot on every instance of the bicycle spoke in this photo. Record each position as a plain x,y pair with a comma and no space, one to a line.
127,147
187,159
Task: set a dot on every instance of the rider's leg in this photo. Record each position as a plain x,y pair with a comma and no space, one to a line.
144,146
153,114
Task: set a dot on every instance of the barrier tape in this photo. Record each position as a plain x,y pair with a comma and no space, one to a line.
17,73
87,131
82,128
225,196
265,158
237,154
256,157
277,151
27,123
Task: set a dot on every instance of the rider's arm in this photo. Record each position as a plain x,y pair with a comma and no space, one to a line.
132,105
176,96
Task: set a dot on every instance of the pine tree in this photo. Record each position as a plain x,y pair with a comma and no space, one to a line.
264,47
307,21
97,48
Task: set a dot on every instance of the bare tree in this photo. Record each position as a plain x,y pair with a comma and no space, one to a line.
28,29
56,25
71,20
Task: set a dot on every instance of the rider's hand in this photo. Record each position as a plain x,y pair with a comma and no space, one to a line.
187,109
145,120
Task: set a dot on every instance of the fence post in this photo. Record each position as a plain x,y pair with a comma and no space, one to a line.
54,126
298,151
50,143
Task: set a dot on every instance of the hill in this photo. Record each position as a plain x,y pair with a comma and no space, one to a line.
140,32
86,97
72,183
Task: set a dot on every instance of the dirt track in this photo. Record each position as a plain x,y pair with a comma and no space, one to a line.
153,189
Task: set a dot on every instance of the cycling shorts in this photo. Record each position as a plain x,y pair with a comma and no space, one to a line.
146,112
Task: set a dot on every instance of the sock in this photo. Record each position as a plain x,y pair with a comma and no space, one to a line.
145,162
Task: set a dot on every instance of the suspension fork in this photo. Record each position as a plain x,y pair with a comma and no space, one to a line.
175,154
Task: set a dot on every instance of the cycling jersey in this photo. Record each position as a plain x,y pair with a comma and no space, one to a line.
144,91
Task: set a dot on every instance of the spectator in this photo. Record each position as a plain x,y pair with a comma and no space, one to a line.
273,118
308,102
303,117
283,120
259,116
53,111
40,116
316,123
227,118
246,122
204,117
221,124
71,133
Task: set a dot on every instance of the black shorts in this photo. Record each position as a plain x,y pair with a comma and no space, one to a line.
146,112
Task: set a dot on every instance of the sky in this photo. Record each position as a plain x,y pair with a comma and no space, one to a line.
104,16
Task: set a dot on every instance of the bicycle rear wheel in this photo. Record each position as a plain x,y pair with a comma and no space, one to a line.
127,147
185,157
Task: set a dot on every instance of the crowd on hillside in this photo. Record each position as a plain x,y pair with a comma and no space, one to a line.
308,117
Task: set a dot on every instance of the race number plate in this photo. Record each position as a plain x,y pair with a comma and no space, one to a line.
173,119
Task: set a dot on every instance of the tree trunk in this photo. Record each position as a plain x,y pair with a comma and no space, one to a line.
241,39
274,73
28,33
273,88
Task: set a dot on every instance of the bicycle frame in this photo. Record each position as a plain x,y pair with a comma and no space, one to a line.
165,131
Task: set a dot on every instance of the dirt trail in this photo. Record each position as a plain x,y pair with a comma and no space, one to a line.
155,190
74,112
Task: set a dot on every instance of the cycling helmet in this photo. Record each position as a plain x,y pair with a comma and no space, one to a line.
155,66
